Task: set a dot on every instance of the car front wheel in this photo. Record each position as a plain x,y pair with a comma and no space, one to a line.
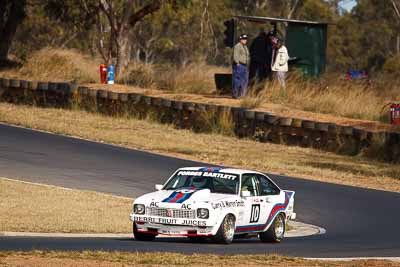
142,236
275,232
226,230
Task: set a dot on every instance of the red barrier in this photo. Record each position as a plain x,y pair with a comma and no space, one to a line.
103,73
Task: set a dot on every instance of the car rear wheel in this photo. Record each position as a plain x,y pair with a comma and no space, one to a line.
142,236
226,230
275,232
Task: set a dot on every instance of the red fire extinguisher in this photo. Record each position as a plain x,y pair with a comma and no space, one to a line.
395,113
103,73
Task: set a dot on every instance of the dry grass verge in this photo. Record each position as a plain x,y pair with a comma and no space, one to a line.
224,150
328,99
58,65
86,258
271,100
193,79
27,207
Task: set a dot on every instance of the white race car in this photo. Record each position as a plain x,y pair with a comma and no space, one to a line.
200,202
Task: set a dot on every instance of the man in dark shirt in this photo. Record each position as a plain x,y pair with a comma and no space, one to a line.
261,57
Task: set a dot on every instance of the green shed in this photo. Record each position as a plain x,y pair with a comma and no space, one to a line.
305,40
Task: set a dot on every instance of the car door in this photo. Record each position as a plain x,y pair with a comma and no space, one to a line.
270,196
253,214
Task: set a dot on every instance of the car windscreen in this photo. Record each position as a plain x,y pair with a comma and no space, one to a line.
217,182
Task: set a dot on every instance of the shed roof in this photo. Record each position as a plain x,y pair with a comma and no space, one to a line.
269,19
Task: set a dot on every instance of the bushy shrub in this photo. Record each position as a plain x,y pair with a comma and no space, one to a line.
138,74
50,64
392,65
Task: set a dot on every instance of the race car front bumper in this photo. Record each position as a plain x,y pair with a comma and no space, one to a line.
172,226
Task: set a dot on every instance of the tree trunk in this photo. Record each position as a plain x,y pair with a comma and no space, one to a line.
7,30
121,26
123,52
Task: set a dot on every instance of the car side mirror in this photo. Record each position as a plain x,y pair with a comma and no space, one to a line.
246,193
159,187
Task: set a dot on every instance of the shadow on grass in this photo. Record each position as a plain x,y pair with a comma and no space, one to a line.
9,64
339,167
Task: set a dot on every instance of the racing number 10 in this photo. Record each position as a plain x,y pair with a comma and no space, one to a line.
255,213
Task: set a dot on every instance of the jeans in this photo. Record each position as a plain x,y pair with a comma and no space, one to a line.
240,80
281,75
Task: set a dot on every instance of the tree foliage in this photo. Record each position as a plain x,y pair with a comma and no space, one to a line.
11,15
186,31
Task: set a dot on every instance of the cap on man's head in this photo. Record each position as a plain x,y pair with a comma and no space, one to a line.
243,37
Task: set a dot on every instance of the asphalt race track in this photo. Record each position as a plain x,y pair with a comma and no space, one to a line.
359,222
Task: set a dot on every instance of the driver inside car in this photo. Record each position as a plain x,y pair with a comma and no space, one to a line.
249,185
200,182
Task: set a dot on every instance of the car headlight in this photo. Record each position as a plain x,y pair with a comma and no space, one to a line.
202,213
138,209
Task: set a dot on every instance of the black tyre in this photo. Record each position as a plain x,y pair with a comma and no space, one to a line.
226,230
142,236
275,232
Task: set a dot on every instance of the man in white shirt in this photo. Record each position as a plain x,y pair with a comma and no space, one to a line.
280,58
